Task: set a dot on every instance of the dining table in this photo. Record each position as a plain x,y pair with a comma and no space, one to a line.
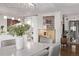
31,49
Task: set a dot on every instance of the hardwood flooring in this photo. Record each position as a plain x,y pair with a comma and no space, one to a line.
69,51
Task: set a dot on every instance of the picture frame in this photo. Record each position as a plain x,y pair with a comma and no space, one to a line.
48,21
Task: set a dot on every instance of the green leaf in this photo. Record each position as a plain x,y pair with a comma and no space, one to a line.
18,30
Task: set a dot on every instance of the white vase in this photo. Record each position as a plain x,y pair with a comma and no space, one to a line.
19,43
25,40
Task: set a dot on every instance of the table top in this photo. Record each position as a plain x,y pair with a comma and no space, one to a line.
29,50
6,37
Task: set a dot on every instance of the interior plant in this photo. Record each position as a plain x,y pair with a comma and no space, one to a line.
19,30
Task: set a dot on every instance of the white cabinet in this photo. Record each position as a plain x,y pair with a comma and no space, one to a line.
34,24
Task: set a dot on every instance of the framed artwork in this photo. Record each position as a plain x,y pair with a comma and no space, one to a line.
48,21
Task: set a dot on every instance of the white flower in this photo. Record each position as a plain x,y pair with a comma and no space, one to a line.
18,24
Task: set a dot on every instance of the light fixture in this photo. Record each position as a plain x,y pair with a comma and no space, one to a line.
29,22
5,17
12,18
19,19
29,5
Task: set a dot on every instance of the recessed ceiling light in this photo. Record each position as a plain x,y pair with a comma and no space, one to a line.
19,19
12,18
5,17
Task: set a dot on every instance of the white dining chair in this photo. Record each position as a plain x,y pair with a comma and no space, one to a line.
54,49
7,43
44,52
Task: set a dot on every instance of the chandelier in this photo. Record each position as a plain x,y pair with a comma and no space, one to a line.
30,5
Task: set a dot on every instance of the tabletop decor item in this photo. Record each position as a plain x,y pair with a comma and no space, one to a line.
18,31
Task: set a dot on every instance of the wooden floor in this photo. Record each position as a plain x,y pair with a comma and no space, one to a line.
69,51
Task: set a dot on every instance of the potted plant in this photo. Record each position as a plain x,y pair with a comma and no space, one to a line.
19,30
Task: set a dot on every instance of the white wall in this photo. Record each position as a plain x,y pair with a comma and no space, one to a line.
40,22
58,25
3,22
37,23
35,28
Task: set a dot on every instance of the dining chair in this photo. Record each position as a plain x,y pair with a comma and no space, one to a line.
45,40
7,42
44,52
54,49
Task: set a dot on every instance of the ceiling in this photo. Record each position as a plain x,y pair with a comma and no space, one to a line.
20,9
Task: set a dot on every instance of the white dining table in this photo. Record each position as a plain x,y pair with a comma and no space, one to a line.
31,49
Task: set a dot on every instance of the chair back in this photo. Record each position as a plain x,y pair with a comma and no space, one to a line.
54,49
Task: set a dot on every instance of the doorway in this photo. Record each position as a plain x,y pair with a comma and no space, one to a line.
74,29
